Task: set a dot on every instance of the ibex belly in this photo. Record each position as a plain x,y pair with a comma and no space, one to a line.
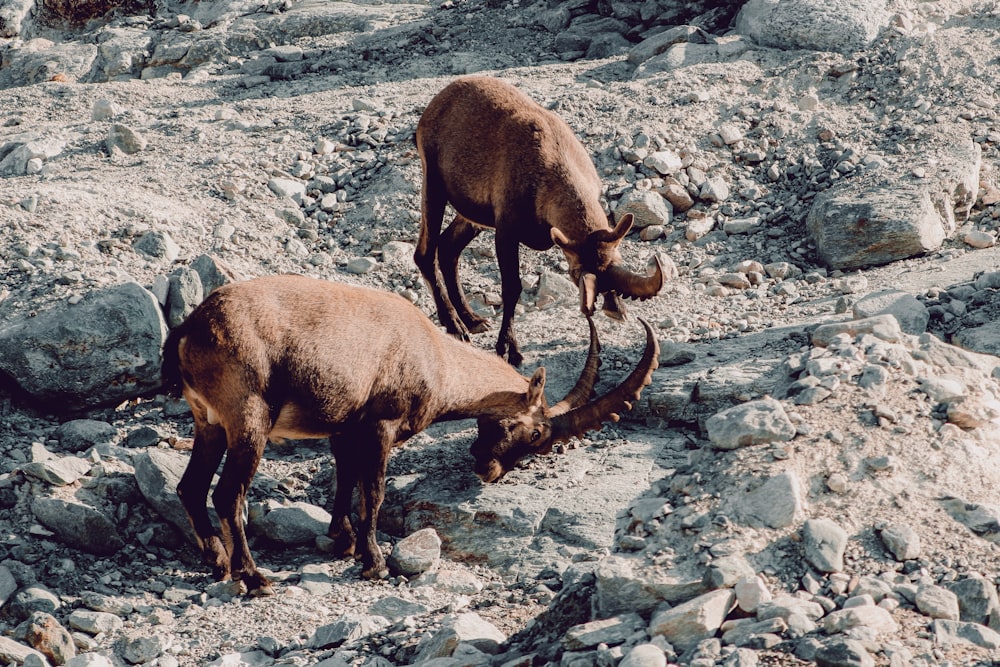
294,423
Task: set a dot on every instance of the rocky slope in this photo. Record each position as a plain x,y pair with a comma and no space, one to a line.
809,478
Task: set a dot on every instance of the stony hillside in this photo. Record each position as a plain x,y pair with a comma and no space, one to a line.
810,477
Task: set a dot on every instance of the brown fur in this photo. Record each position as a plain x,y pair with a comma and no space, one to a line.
296,357
502,161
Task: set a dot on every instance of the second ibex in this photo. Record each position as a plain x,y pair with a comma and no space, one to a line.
502,161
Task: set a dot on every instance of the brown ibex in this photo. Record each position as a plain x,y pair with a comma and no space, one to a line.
296,357
503,161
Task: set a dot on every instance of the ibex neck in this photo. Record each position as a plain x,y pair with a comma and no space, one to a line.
476,381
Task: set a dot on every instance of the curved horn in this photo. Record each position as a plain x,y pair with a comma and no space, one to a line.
634,286
584,389
590,416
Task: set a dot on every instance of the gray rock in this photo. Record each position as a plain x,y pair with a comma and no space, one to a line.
644,655
97,352
395,608
186,292
911,314
17,152
142,650
555,288
467,628
885,327
863,223
157,472
647,207
94,622
726,571
747,632
937,602
8,584
30,599
686,54
78,435
784,606
690,622
214,273
902,541
58,472
611,631
977,600
868,616
661,41
950,632
287,187
625,584
983,520
157,244
824,542
777,503
124,139
838,25
295,523
752,423
39,60
843,653
79,525
12,16
415,553
346,629
984,338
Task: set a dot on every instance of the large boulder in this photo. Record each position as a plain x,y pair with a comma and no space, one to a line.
99,351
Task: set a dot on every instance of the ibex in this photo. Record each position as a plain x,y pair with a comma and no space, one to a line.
503,161
296,357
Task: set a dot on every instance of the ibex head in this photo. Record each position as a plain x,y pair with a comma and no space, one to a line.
595,266
527,425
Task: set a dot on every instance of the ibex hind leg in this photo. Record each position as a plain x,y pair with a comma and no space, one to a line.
206,455
432,205
455,239
246,447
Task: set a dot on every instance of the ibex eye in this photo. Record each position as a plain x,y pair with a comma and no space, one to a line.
535,435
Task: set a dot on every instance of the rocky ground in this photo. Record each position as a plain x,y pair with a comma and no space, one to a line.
808,479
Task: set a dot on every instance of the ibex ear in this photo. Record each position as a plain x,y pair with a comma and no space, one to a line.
536,389
622,228
559,238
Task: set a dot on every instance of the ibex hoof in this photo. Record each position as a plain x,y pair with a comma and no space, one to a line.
257,585
377,571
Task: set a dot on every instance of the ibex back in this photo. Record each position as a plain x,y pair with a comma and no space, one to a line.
296,357
502,161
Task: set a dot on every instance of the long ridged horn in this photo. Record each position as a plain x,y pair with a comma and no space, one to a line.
634,286
584,389
592,415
